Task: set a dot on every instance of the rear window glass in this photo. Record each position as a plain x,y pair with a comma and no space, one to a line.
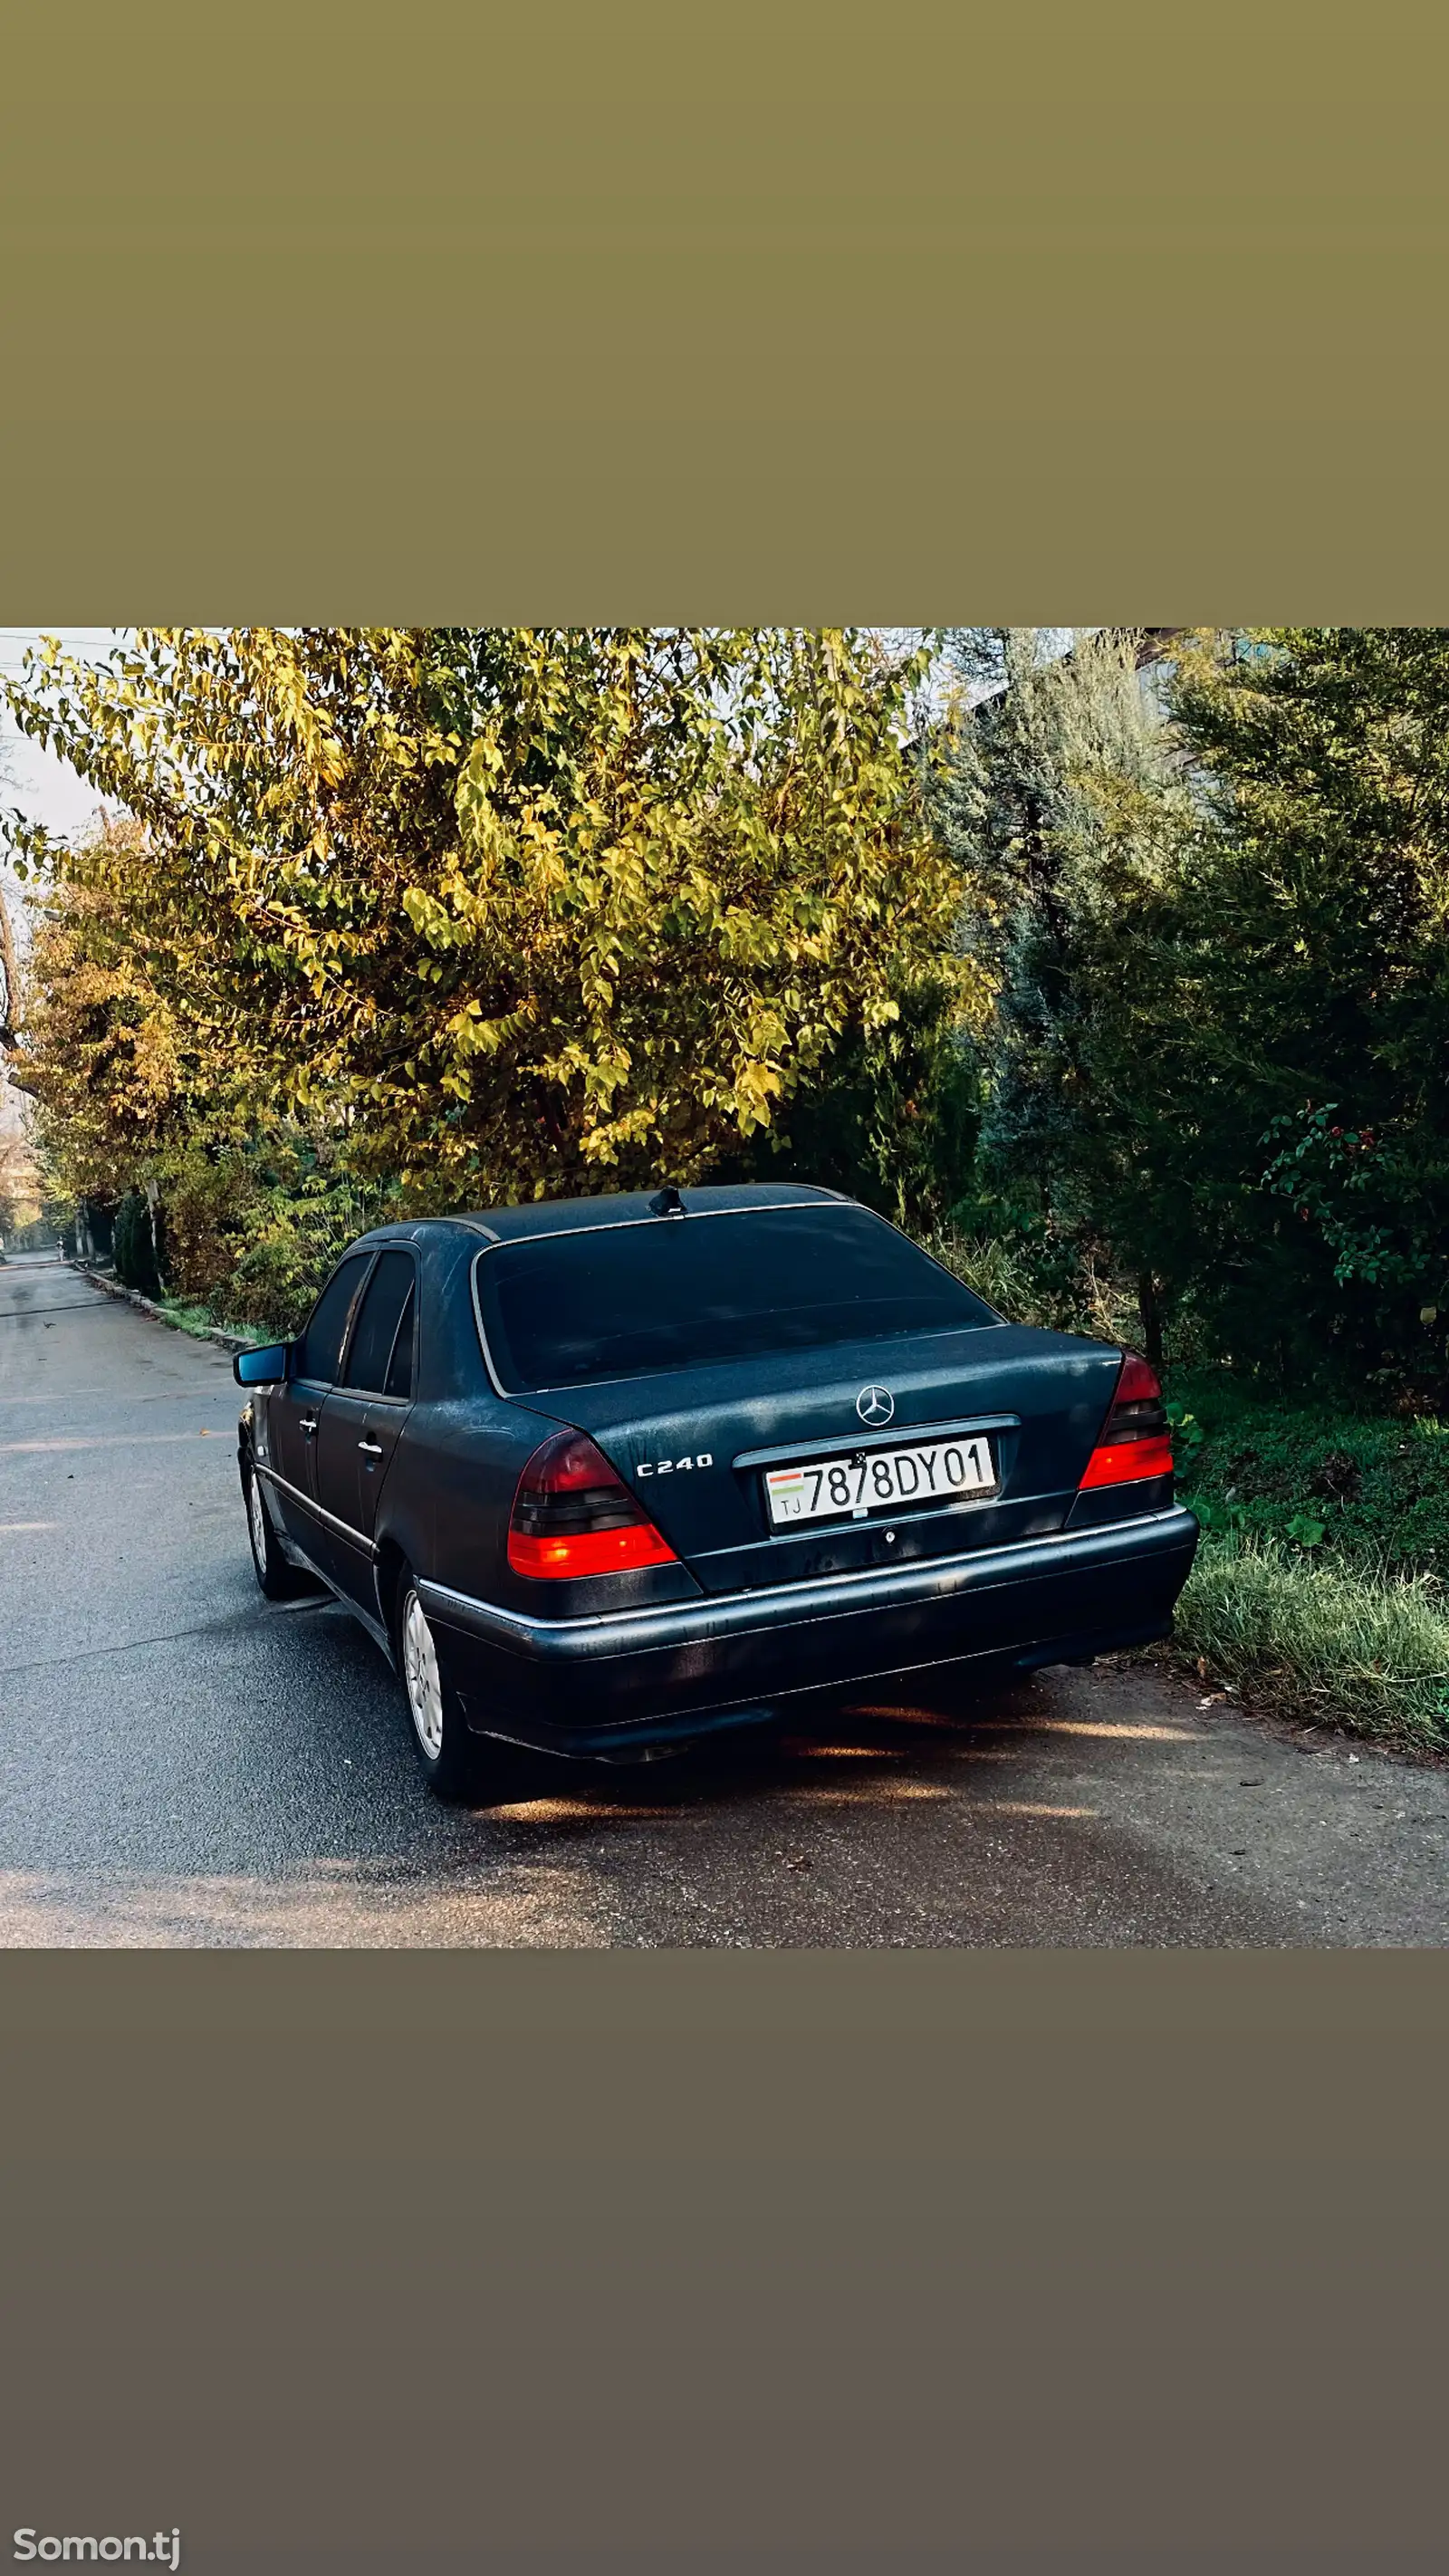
400,1371
678,1293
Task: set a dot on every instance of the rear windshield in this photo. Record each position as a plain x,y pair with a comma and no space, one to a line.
679,1292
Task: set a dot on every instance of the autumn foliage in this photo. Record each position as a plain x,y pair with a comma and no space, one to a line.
470,915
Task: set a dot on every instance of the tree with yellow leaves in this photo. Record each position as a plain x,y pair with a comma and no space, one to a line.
499,912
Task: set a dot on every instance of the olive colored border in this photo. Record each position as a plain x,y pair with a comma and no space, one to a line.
811,310
715,2260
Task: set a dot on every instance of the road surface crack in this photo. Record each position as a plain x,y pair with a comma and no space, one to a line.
167,1637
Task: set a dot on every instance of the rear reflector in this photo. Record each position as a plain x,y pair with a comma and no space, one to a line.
573,1516
1134,1442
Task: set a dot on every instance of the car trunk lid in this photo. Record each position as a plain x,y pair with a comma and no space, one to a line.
696,1445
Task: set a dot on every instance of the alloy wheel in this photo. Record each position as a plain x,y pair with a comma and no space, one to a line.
257,1521
421,1678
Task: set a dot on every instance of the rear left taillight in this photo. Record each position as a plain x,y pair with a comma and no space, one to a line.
1134,1441
573,1516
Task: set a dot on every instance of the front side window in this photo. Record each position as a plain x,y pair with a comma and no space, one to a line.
322,1335
630,1300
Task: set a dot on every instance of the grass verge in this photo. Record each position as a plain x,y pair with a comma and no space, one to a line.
1319,1639
199,1320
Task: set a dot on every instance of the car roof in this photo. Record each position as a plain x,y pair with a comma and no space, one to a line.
607,1207
633,1207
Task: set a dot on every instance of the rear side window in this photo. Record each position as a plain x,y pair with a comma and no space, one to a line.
322,1334
400,1369
370,1351
677,1293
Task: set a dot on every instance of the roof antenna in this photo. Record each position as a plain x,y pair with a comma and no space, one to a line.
668,1202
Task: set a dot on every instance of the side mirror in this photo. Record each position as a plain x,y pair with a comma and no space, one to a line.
266,1367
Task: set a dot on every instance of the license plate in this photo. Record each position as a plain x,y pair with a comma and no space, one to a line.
879,1480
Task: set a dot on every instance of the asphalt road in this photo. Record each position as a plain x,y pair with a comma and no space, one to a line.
181,1763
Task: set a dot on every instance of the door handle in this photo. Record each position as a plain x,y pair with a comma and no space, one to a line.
307,1425
370,1448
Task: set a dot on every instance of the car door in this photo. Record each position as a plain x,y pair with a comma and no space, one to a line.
360,1420
294,1410
388,1411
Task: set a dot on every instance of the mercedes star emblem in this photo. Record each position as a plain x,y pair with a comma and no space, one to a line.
875,1404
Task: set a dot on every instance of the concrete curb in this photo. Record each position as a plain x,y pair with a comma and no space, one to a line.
158,1314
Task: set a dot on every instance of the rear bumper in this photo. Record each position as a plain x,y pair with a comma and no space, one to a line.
685,1668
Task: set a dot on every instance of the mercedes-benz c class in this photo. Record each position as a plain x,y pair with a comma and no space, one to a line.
606,1475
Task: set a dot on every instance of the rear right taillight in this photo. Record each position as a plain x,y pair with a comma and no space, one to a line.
1134,1441
574,1516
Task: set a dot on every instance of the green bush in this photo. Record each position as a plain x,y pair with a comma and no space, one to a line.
1364,1488
1319,1639
1002,1270
252,1232
891,1119
294,1241
1035,1276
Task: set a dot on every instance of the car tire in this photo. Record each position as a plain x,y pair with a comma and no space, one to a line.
452,1759
277,1578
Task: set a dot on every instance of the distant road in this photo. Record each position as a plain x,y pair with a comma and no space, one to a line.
181,1763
